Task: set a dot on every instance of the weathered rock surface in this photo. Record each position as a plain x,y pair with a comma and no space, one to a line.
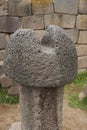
52,63
64,21
83,6
16,126
19,7
42,6
33,22
66,6
82,22
9,24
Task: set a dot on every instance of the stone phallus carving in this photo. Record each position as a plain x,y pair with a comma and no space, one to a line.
42,69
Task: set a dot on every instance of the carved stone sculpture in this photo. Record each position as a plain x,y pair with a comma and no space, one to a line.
42,69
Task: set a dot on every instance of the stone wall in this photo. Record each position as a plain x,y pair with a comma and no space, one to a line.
38,14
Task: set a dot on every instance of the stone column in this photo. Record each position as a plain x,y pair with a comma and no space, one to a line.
42,70
44,108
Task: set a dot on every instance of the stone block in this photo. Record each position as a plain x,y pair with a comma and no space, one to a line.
83,37
3,11
4,38
1,2
14,90
82,62
1,68
82,50
42,6
73,33
83,6
66,6
19,7
2,54
3,8
33,22
6,82
40,33
82,22
9,24
65,21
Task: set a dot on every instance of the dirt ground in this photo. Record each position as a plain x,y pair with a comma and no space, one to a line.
73,119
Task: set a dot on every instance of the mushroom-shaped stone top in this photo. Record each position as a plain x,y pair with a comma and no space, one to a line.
49,63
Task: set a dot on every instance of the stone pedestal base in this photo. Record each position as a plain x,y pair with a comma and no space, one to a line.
16,126
41,108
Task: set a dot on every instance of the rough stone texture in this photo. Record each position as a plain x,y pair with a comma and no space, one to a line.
3,7
82,62
83,6
44,108
66,6
6,82
83,37
33,22
65,21
4,38
42,6
9,24
42,70
1,68
16,126
73,33
82,50
82,22
2,54
14,90
10,86
19,7
40,33
47,64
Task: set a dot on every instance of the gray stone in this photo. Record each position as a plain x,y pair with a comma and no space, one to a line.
6,82
42,70
44,108
9,24
47,64
66,6
19,7
14,90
